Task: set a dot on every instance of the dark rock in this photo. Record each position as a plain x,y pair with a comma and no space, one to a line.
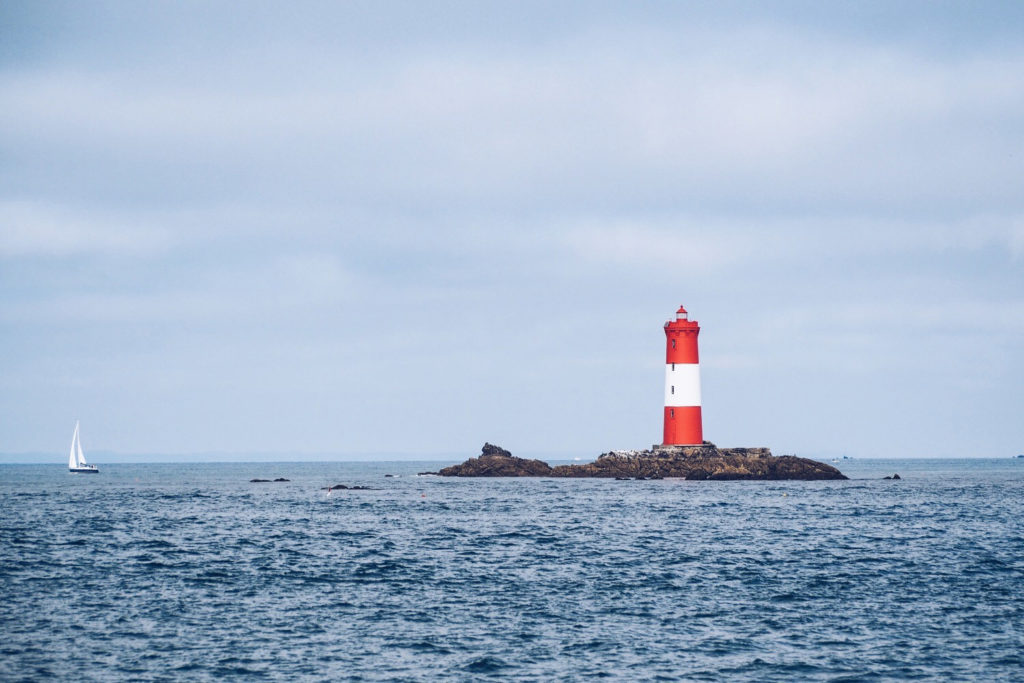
491,449
895,476
706,461
389,475
258,481
282,479
621,478
342,487
497,462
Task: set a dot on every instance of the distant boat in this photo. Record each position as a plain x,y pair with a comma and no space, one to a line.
76,461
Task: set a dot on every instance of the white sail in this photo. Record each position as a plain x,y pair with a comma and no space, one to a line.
81,456
72,460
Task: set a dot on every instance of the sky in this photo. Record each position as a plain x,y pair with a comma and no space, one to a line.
402,229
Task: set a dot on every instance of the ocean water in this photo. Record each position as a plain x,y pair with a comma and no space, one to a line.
162,572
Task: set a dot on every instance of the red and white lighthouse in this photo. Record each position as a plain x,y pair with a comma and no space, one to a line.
682,382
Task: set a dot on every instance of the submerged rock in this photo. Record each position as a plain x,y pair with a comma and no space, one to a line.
343,487
706,461
895,476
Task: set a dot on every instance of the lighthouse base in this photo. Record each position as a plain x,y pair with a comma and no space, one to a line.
706,450
682,426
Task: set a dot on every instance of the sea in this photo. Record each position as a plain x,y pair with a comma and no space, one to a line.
191,572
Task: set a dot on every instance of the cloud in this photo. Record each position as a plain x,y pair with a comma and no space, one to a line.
283,290
768,115
717,243
35,229
1016,238
683,246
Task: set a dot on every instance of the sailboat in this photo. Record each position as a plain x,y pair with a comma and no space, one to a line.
76,461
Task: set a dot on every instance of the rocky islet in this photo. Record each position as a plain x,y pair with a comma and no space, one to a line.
703,462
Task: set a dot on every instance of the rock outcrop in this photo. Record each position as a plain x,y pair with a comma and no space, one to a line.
706,461
497,462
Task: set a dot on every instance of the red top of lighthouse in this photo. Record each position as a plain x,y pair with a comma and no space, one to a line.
681,338
682,322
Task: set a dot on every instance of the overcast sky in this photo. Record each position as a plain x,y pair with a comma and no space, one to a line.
372,228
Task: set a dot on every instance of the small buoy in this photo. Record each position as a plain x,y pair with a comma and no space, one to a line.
784,495
423,495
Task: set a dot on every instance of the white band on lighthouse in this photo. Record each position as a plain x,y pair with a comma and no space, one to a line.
682,385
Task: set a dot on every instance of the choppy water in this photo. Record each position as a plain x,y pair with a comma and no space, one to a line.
189,571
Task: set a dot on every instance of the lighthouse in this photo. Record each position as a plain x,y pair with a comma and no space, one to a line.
682,382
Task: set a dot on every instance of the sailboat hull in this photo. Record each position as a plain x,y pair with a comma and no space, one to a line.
84,470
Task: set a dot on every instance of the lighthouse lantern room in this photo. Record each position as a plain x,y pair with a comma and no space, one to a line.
682,382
